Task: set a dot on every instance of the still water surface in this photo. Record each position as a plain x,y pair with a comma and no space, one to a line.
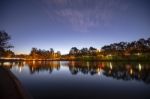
83,80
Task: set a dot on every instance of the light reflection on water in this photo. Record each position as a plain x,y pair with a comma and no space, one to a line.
91,80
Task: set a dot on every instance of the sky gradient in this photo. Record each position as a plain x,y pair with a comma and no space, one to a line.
62,24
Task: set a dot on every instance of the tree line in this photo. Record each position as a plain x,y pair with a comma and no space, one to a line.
121,50
44,54
84,51
141,46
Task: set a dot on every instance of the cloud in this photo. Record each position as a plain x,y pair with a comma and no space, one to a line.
79,20
83,15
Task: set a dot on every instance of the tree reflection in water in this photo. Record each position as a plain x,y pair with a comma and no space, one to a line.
118,70
40,66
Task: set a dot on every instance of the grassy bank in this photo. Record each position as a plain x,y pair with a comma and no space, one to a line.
109,58
88,58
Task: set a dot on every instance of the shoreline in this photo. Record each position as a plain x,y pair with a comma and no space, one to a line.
115,60
11,86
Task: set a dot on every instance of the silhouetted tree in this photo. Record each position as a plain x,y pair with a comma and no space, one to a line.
124,48
51,50
74,51
44,54
84,51
92,51
8,54
33,53
4,42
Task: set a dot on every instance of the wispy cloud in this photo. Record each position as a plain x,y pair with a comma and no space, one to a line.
83,15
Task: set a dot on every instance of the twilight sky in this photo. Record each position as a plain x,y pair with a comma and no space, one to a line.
62,24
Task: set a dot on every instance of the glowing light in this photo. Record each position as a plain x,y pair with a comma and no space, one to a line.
131,71
110,64
138,54
20,69
99,71
6,63
140,67
33,61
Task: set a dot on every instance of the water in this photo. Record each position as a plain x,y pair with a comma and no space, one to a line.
83,80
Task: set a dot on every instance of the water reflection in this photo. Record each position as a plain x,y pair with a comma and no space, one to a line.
117,70
132,71
43,66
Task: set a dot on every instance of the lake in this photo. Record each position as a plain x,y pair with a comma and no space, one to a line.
83,80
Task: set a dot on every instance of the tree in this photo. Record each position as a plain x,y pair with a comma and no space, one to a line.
4,42
52,53
8,54
51,50
84,51
58,54
92,51
74,51
33,53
